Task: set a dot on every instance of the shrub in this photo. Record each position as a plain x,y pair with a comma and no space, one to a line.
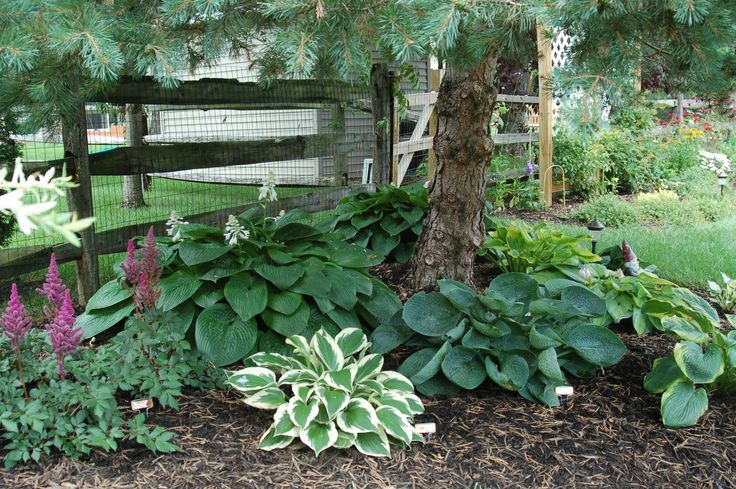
339,395
608,209
635,117
245,290
388,221
572,153
519,193
630,166
519,247
679,156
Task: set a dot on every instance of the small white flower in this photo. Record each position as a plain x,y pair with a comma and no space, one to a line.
234,231
268,189
173,226
586,274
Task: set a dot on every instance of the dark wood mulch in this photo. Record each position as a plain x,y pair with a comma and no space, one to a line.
608,434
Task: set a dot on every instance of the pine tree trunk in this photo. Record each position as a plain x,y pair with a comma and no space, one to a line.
453,228
133,184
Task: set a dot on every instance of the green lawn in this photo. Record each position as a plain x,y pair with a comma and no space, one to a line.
42,151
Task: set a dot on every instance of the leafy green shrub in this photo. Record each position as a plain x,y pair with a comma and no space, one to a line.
572,154
388,221
724,295
276,278
630,166
339,395
519,247
608,209
679,156
519,193
522,339
636,117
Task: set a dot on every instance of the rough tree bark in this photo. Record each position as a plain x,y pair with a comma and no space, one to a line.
453,228
133,184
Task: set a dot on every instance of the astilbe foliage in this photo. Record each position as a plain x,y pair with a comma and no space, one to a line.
65,337
53,289
15,321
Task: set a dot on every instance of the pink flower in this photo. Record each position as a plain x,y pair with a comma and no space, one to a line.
65,337
15,320
53,289
144,275
131,266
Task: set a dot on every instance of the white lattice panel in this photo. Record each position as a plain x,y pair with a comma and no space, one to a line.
561,43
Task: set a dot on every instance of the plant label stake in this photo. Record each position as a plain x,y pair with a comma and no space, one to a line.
426,429
139,404
564,392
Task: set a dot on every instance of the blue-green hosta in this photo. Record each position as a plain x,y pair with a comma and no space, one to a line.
515,333
247,290
331,393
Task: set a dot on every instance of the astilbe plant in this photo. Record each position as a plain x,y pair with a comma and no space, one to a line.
16,324
53,289
144,275
65,337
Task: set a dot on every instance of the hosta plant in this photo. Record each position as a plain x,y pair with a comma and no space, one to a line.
515,333
330,393
387,221
247,288
519,247
724,295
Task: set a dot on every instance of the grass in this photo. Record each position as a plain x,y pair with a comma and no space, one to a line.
42,151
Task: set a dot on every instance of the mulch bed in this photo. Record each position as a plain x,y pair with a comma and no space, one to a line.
608,434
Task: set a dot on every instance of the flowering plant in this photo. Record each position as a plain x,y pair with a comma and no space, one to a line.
717,163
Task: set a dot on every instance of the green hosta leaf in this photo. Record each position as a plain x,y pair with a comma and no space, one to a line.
515,287
222,336
460,295
342,288
368,367
383,244
208,295
682,404
584,301
247,295
372,444
358,417
271,342
282,277
395,381
313,283
390,335
596,344
365,219
334,400
382,304
463,367
99,320
252,379
282,424
619,306
285,302
193,253
353,256
268,398
270,441
438,386
547,364
327,350
547,338
225,266
318,436
344,440
685,329
344,319
412,215
180,319
110,294
702,367
279,257
302,414
177,288
395,423
350,341
295,231
431,367
341,379
287,325
513,373
665,372
430,314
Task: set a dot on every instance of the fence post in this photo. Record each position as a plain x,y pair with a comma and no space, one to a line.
381,105
74,135
134,133
679,108
435,77
544,46
340,159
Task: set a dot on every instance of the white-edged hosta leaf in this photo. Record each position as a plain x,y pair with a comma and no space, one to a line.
252,379
358,417
327,350
341,379
270,441
372,387
350,341
368,367
395,400
318,436
268,398
395,423
301,346
272,360
303,391
334,400
372,444
395,381
344,440
297,376
302,414
415,404
282,423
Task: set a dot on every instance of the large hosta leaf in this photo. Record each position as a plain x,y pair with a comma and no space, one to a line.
193,253
702,367
246,294
596,344
282,277
512,374
372,444
430,314
665,372
99,320
395,423
463,367
515,287
548,364
358,417
222,336
177,288
108,295
287,325
319,436
682,404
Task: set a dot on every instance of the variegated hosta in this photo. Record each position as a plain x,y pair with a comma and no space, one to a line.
337,395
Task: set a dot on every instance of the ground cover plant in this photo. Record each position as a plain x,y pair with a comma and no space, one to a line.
248,288
388,221
340,396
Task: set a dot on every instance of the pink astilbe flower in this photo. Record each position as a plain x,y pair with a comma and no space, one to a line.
65,337
149,289
53,289
15,320
131,266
